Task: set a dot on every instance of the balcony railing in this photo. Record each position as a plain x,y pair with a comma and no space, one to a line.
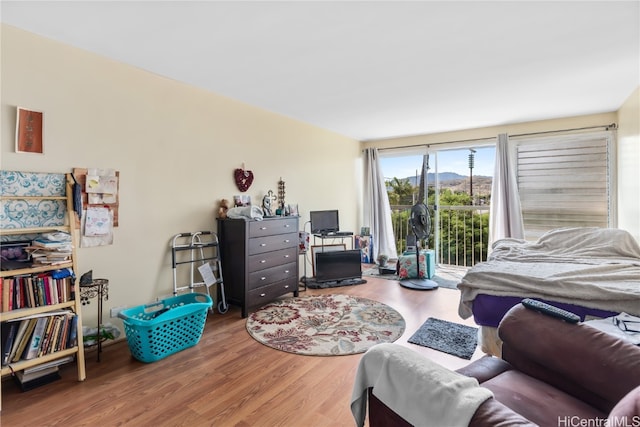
463,233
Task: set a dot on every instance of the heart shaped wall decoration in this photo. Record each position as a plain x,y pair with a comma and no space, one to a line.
244,179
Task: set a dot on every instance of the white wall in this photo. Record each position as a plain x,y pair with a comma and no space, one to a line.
176,148
628,159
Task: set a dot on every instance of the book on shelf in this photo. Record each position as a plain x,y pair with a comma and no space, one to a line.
7,285
37,335
9,330
22,328
47,337
24,340
55,335
36,338
36,291
72,341
42,242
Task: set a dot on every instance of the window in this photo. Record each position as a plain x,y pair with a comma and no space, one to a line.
565,181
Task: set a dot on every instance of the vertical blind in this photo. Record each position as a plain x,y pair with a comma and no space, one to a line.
565,181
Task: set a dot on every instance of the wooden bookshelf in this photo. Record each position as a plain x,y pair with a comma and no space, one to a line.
15,314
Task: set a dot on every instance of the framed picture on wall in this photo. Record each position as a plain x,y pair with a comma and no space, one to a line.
324,248
29,126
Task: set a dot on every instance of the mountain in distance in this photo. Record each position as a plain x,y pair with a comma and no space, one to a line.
457,182
442,177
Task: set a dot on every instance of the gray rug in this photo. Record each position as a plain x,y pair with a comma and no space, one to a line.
443,283
452,338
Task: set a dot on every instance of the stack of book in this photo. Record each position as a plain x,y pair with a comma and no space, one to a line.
36,376
51,249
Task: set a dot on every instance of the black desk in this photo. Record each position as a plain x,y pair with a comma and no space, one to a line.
341,237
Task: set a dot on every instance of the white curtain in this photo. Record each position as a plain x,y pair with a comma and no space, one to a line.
377,211
505,214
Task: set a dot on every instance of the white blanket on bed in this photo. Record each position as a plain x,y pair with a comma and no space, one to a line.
421,391
592,267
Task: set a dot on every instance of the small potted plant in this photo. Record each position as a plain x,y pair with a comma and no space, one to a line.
382,259
382,265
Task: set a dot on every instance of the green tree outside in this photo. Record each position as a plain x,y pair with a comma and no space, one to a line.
464,232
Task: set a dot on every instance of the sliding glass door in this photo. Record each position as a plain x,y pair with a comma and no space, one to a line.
457,190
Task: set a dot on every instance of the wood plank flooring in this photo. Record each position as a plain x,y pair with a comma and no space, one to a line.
228,379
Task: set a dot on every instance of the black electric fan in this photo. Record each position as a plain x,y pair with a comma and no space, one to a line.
420,222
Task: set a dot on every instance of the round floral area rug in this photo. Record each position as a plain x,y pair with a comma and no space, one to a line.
325,325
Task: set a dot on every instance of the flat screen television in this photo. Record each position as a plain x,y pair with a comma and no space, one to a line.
323,222
338,265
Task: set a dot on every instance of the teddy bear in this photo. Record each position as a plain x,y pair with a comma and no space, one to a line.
224,207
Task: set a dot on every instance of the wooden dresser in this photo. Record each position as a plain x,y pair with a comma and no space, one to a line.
259,259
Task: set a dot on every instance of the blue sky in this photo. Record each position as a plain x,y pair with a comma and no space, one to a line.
448,161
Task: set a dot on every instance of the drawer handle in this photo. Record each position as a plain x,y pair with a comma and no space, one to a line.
263,295
263,278
263,228
286,286
287,240
286,256
263,244
287,226
286,271
262,261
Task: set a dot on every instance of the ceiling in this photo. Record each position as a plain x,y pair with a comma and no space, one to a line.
374,69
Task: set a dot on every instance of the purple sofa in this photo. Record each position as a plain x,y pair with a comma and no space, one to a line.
550,372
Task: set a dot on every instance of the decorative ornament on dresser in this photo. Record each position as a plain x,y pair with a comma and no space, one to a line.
223,208
267,204
281,194
244,178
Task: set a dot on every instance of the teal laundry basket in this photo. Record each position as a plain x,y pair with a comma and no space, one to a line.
155,331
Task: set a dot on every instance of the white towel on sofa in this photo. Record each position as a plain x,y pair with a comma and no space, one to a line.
421,391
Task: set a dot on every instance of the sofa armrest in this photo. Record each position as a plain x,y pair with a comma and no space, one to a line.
580,360
485,368
490,414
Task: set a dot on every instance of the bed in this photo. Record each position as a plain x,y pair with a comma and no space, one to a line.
593,272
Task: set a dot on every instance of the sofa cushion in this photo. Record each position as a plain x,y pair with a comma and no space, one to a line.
537,401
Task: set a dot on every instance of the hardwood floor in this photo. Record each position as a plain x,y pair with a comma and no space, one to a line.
228,379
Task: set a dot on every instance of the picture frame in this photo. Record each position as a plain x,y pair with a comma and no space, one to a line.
29,131
14,255
293,210
324,248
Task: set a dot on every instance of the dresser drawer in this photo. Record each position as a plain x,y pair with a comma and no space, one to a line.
270,259
269,228
271,275
264,294
261,245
